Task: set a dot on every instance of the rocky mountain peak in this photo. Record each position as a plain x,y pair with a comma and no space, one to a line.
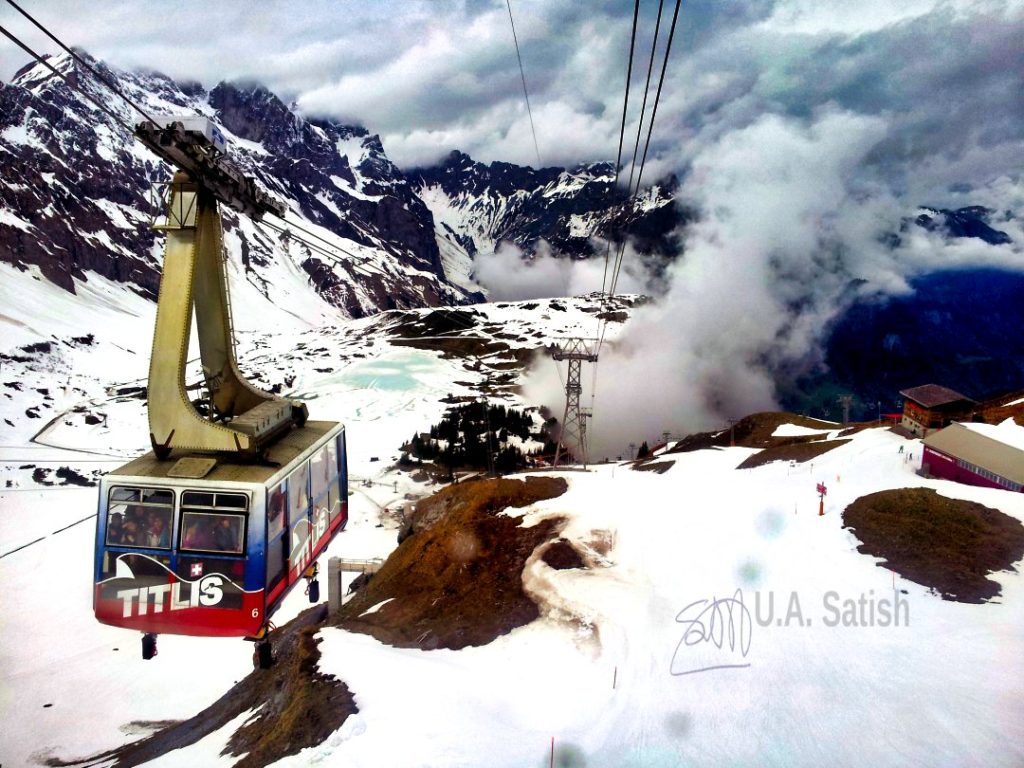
486,204
74,196
972,221
252,112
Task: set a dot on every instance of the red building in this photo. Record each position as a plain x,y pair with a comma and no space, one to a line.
977,454
932,407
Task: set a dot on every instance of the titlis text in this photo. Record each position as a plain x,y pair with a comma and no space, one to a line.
139,601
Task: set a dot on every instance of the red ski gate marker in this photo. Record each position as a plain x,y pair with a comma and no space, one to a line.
822,489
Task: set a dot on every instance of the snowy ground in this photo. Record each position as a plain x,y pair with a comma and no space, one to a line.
615,671
618,675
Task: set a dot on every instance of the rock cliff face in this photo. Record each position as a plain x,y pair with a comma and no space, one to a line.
72,193
74,197
338,174
483,205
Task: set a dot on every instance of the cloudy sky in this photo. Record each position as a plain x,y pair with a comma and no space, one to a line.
802,131
434,76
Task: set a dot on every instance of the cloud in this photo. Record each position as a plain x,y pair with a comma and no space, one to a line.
435,76
422,74
804,137
792,232
510,276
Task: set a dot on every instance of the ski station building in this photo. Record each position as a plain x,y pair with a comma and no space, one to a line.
931,407
988,455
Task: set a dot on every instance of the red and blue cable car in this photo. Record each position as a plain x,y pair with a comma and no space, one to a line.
207,545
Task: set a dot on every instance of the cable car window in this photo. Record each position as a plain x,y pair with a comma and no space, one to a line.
211,532
140,517
197,499
206,528
324,468
298,487
334,498
157,496
332,457
124,494
275,511
342,463
215,500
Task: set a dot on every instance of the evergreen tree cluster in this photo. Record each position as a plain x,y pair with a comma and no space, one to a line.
473,435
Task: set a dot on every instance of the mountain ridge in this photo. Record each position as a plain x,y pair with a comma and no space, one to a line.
337,180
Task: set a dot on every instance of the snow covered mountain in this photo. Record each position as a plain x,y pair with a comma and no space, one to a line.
478,206
75,212
73,197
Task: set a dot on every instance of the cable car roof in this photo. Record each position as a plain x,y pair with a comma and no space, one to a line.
229,470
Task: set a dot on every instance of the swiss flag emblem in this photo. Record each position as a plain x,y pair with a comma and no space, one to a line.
196,570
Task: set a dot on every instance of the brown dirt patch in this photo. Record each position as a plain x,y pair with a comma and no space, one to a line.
458,579
998,409
298,707
754,431
562,556
799,452
949,545
456,334
658,467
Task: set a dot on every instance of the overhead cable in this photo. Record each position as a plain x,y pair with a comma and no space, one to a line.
622,131
314,247
657,96
620,251
64,77
650,125
98,75
312,234
522,74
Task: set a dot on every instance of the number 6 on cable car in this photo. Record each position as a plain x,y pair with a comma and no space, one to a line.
205,546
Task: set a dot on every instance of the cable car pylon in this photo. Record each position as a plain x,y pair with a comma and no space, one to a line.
243,418
576,350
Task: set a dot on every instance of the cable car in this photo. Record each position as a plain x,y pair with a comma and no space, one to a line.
206,533
214,554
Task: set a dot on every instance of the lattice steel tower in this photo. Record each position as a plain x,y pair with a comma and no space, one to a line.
574,427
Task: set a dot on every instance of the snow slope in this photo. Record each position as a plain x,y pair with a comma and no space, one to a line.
605,670
795,430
